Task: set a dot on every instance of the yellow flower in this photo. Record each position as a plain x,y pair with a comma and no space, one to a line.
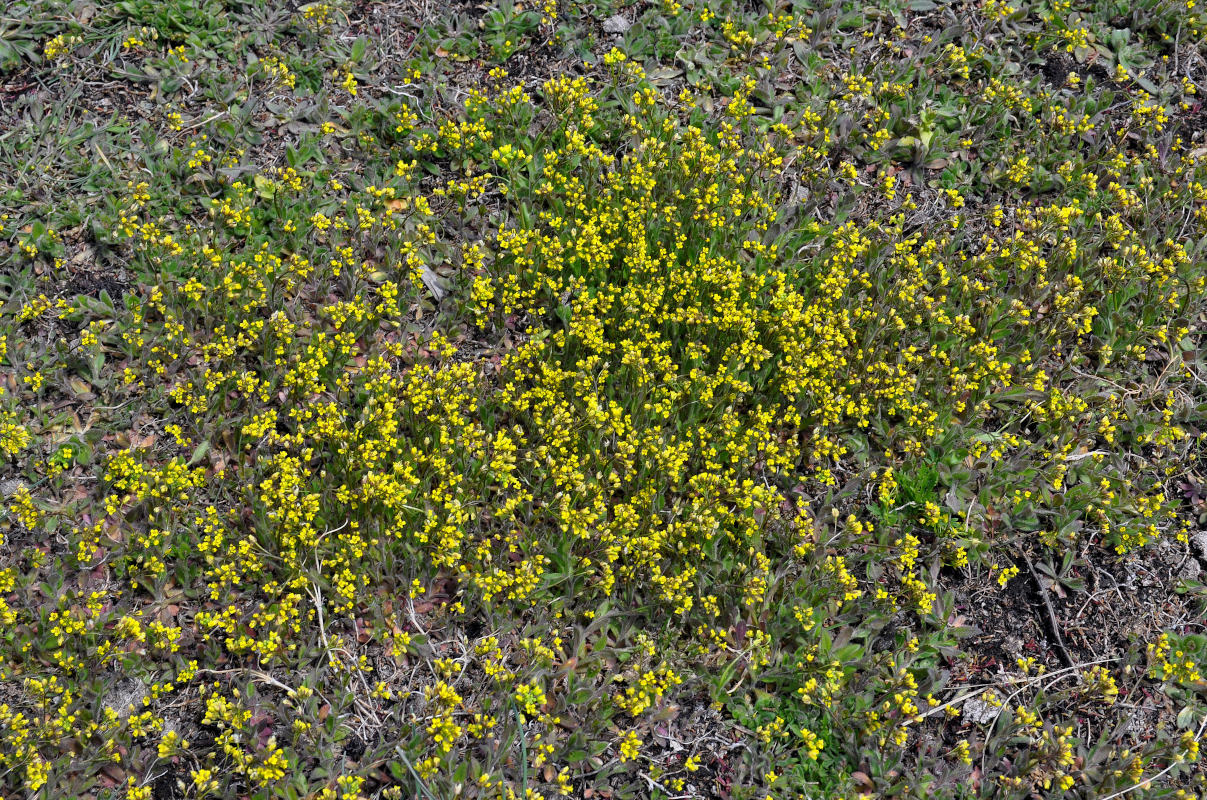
630,746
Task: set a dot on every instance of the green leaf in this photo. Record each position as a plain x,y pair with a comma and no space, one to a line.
1145,83
1188,717
265,188
199,453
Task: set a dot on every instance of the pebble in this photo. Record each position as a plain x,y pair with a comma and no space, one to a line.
616,24
979,712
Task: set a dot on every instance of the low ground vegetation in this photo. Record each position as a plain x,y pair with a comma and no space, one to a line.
630,399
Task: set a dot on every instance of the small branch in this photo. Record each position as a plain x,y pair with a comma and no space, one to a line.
1090,454
262,677
1061,650
402,756
206,121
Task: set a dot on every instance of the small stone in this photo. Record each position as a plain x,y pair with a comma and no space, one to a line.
979,712
1199,540
616,24
126,696
1190,570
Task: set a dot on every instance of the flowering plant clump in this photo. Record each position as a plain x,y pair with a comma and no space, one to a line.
792,403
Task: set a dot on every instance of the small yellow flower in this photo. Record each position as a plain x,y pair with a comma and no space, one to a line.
630,746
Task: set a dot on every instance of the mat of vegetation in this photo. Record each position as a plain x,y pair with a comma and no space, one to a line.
628,399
